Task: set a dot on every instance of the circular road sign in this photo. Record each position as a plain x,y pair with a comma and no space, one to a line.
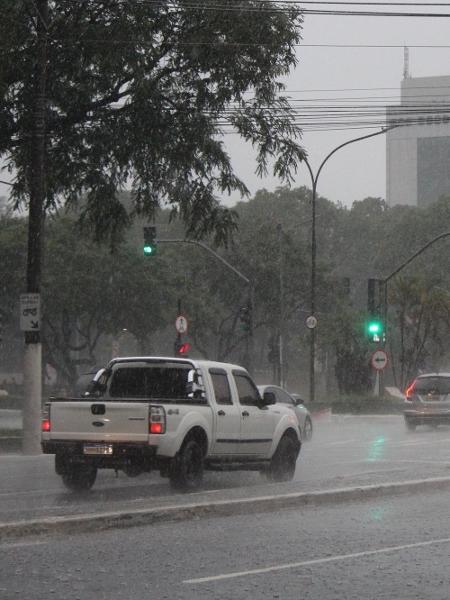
181,324
311,322
379,360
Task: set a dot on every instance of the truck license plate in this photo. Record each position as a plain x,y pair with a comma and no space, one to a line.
98,449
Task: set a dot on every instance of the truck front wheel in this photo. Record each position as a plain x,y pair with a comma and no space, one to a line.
79,477
284,460
186,469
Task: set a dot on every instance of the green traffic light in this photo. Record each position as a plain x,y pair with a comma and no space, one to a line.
375,327
374,330
149,250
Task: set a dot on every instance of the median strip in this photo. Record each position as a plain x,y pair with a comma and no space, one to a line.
143,517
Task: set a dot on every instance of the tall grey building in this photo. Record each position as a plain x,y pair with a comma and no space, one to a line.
418,154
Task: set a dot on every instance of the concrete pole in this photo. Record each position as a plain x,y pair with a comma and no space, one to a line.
32,393
32,369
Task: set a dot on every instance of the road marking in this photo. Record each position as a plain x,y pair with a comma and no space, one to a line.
317,561
7,546
419,442
416,460
342,442
33,492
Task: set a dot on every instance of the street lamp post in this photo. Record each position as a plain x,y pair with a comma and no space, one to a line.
314,180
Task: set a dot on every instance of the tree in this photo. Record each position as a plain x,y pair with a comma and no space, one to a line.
91,293
419,327
141,92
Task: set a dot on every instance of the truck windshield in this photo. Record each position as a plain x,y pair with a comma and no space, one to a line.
149,381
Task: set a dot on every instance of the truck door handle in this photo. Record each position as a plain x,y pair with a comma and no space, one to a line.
221,413
245,414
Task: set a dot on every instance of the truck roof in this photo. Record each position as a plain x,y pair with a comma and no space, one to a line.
208,364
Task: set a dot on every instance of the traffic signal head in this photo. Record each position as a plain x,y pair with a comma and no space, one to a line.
182,349
245,317
150,244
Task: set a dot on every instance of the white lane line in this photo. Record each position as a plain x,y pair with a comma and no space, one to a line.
8,546
343,442
33,492
416,460
318,561
421,442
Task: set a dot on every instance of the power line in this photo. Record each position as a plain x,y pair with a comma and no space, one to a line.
283,6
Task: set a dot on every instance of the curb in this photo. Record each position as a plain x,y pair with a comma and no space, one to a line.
144,517
10,444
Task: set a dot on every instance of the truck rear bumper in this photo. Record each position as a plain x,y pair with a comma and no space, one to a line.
123,454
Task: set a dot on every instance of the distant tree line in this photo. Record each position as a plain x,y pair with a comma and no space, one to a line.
94,298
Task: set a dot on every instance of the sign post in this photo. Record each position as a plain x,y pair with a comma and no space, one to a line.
379,362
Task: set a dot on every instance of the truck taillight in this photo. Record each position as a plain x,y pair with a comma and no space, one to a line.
46,425
157,420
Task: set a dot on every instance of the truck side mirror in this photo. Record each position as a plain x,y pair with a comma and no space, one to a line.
269,398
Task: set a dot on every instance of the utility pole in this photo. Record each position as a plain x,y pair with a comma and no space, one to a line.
281,302
32,368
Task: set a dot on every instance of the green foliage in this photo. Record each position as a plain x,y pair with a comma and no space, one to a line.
91,295
420,318
141,92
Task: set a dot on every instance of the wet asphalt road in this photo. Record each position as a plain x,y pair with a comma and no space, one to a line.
343,453
395,548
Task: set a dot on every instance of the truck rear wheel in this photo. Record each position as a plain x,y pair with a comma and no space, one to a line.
79,477
284,460
186,469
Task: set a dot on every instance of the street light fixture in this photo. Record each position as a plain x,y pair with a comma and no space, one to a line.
314,180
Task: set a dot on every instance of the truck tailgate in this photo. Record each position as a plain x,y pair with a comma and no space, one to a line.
98,421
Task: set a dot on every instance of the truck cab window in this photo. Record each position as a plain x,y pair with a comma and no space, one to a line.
247,392
221,386
149,382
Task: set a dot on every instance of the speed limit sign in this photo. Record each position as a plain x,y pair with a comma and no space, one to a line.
311,322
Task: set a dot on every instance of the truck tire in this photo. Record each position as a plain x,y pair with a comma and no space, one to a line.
79,477
186,469
284,460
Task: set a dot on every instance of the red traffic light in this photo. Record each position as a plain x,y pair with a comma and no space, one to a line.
183,349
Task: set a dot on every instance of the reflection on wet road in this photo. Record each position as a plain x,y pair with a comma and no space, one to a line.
343,452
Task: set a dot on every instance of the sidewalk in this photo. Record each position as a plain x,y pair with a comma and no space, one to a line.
10,431
10,419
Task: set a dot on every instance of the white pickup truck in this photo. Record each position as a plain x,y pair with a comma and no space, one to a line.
179,416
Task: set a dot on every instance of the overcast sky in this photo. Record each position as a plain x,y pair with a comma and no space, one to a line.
359,170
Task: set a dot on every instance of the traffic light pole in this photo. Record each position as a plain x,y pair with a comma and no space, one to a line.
251,293
384,282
